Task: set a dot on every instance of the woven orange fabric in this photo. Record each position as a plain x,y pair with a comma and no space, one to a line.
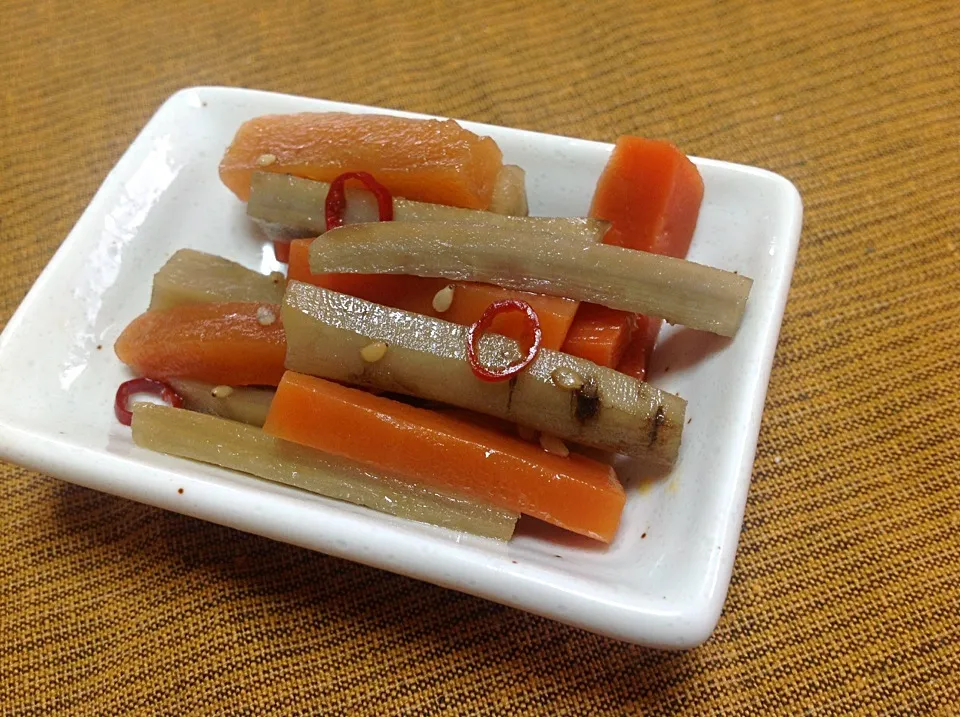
845,592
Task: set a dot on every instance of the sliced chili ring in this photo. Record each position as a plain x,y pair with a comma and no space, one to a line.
477,330
127,389
337,200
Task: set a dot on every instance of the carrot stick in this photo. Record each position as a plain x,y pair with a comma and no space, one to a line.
636,354
651,193
574,492
416,294
599,334
427,160
235,344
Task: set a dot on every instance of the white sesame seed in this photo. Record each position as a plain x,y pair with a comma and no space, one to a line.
265,316
566,378
371,353
443,299
277,277
552,444
265,160
221,391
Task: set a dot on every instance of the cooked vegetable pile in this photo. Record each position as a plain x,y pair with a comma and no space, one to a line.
433,352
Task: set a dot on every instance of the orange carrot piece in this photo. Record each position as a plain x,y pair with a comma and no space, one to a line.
636,355
470,300
414,293
575,492
234,344
599,334
650,192
426,160
281,251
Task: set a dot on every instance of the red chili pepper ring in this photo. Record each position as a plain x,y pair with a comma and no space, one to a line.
337,200
142,385
485,321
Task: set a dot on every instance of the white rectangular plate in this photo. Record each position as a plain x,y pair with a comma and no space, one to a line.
661,583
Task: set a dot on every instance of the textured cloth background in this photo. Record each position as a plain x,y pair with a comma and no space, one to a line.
846,589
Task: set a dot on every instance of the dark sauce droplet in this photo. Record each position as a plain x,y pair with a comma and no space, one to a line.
658,420
586,401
